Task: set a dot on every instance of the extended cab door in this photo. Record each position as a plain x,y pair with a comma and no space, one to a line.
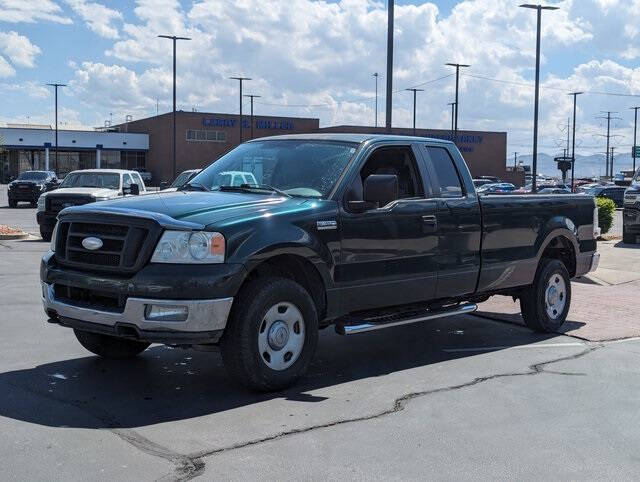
459,222
388,253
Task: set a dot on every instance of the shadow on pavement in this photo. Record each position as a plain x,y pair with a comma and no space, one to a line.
620,244
166,384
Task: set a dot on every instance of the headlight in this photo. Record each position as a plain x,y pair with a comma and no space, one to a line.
54,237
41,201
189,247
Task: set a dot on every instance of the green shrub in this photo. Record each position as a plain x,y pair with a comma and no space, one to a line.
606,208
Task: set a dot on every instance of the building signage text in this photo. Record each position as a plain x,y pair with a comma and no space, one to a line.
274,124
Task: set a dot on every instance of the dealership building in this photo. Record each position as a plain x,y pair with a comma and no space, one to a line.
202,138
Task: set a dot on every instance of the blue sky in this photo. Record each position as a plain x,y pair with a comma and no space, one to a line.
316,58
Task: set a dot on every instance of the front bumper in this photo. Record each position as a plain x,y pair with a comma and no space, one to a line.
587,262
207,291
205,322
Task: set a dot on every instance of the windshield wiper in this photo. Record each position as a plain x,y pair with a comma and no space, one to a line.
193,186
254,187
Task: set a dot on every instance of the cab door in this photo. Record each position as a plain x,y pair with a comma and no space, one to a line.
388,253
459,224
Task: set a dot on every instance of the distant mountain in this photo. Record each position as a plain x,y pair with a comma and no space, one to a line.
586,166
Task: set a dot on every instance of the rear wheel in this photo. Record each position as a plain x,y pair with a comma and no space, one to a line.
271,336
545,304
110,346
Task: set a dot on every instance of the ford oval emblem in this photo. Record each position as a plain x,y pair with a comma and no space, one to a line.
92,243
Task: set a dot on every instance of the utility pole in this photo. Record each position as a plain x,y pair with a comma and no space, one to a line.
252,96
534,163
635,132
457,66
608,171
515,161
389,99
376,75
414,107
453,113
612,149
174,39
55,87
240,79
573,148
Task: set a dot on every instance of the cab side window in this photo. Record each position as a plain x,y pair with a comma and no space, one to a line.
137,180
126,181
398,161
448,178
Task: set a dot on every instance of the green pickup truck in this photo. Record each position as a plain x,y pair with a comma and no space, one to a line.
359,232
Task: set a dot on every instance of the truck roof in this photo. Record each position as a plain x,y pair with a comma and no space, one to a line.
105,171
356,138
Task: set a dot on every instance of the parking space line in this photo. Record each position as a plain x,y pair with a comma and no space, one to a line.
504,347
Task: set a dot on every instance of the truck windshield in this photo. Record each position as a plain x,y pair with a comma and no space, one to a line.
32,176
92,179
306,168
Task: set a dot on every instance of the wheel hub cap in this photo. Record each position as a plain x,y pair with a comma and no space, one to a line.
555,296
278,335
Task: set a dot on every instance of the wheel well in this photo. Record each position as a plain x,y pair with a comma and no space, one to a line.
298,269
562,249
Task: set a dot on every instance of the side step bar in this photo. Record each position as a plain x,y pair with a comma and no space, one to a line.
371,325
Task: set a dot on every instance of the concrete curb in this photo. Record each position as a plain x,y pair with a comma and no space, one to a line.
14,236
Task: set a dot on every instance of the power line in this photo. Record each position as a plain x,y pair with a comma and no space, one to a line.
559,89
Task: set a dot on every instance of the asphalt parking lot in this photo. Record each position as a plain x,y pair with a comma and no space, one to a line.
460,398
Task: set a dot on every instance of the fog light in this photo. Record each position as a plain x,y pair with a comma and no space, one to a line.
166,312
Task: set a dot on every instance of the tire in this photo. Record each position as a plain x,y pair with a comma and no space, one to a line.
33,204
538,314
46,235
627,238
13,203
262,313
110,346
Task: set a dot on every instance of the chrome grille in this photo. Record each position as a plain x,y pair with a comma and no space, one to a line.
125,247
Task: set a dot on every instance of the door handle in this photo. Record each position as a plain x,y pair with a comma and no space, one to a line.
430,220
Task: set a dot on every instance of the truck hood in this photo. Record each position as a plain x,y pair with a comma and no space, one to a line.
93,191
203,208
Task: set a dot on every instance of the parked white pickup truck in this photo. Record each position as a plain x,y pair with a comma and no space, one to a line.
83,187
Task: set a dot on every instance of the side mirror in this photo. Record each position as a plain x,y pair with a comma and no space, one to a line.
164,185
381,189
134,190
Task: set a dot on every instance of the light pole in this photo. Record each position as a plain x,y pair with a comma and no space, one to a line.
515,161
635,132
389,99
573,148
174,39
414,107
453,113
251,96
457,66
240,79
55,87
376,75
534,166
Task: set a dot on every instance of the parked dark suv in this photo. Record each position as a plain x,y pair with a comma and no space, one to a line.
631,213
30,185
615,193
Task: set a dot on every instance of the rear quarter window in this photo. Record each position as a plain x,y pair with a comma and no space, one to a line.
446,172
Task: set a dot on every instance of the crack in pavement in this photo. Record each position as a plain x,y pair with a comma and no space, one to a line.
189,466
401,402
186,467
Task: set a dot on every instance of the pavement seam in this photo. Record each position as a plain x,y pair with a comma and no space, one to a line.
401,402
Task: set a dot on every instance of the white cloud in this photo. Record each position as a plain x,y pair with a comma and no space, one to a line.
31,11
99,18
18,49
5,68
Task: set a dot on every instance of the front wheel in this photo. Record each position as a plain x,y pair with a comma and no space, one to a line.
545,304
13,203
45,235
271,336
110,346
626,237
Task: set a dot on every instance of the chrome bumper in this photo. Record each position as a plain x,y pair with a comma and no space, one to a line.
203,315
595,261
